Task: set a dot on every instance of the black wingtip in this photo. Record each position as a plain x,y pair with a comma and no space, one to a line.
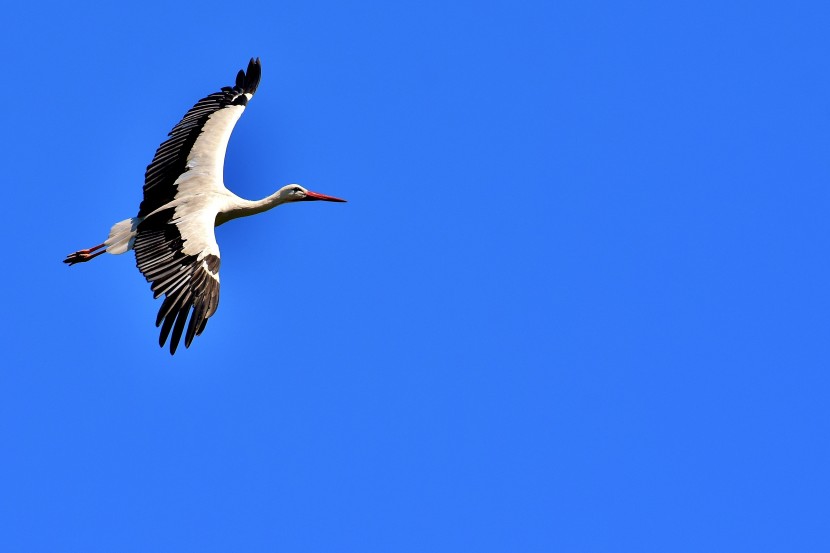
250,78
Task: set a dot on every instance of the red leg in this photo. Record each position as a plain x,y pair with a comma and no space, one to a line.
92,249
82,256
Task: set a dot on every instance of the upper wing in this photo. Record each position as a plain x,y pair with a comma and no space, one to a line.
178,254
197,143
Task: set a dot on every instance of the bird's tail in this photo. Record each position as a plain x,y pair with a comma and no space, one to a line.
120,240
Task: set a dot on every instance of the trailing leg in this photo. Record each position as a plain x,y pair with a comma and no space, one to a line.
82,256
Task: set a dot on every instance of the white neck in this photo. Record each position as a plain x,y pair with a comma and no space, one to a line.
240,207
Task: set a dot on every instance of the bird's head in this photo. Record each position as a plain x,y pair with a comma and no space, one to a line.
296,193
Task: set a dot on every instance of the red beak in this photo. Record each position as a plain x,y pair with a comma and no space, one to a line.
309,195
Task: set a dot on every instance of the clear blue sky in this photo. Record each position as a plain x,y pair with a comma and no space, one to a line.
578,299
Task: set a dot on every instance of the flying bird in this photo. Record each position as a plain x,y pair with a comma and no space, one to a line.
184,199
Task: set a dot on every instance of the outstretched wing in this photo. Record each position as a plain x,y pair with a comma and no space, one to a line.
196,146
176,251
175,247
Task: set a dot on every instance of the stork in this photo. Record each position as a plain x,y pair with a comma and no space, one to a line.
184,200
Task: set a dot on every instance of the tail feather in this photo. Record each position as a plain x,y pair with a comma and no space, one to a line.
122,235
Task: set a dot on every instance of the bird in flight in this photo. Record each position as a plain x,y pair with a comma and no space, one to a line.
184,199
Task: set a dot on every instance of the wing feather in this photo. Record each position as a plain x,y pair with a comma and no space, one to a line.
175,248
178,255
198,142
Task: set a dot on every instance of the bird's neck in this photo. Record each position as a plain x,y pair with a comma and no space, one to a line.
240,207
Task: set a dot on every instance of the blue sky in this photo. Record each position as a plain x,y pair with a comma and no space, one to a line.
577,300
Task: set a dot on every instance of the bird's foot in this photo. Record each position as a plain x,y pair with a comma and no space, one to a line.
82,256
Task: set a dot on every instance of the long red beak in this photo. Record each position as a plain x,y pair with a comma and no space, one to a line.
309,195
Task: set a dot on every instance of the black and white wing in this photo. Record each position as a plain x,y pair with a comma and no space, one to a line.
177,252
193,157
175,247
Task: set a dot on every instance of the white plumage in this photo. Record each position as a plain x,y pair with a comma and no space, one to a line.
184,199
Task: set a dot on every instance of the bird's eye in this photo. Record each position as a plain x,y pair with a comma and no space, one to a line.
297,189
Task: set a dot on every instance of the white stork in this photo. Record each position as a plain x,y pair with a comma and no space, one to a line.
184,199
